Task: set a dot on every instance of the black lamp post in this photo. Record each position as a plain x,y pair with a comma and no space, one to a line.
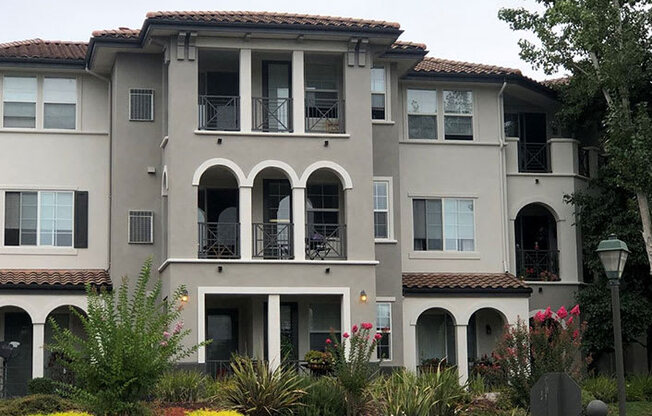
613,255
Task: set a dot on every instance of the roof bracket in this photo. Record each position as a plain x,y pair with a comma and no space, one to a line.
181,46
362,52
350,55
192,50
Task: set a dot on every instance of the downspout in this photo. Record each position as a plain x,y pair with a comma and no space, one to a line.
504,218
110,111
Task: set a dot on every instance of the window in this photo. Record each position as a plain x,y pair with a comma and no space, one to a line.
324,318
422,114
458,115
19,97
384,328
141,104
378,93
323,203
141,227
382,219
444,224
39,219
59,103
511,125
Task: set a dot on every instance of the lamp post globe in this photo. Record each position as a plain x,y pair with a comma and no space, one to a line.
613,254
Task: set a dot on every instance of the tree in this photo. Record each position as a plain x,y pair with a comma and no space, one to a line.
606,45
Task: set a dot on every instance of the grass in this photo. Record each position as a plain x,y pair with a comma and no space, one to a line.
633,409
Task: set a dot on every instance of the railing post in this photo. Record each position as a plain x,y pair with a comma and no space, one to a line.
245,90
299,220
246,231
298,93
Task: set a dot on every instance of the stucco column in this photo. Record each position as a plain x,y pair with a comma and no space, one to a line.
410,346
245,90
246,231
274,331
298,93
299,220
38,339
462,352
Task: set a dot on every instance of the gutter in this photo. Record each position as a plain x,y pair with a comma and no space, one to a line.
504,218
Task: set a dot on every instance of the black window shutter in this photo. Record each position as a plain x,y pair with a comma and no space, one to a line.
81,219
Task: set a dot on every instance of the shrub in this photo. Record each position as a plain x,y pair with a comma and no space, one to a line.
128,344
71,413
354,371
182,386
41,385
324,397
477,385
255,390
35,404
602,388
205,412
491,372
639,388
448,392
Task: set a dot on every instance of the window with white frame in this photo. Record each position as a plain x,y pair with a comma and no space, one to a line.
141,227
384,328
59,103
141,104
443,224
39,218
458,115
19,101
382,214
378,93
323,319
422,114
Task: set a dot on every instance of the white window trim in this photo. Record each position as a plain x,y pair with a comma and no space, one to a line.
472,115
40,102
151,228
390,209
151,105
391,324
433,253
406,114
388,96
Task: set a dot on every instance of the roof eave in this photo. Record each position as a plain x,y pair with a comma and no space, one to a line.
20,61
467,291
35,286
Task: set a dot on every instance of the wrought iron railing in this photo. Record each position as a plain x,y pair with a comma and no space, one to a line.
272,114
219,112
325,241
538,265
219,240
584,169
273,240
534,157
222,368
324,115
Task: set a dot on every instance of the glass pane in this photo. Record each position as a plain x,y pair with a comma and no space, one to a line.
17,114
422,127
324,317
378,79
380,195
458,127
434,224
422,102
19,89
511,125
59,116
383,321
380,225
458,102
322,76
60,90
378,106
419,219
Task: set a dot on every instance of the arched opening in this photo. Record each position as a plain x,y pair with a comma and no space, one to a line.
218,214
485,330
16,350
272,214
537,256
65,319
436,338
325,216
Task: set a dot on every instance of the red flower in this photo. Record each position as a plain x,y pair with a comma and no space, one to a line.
377,337
547,313
575,311
562,313
539,317
345,335
576,334
328,341
354,329
570,320
367,325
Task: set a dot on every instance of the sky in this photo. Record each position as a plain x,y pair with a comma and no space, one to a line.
465,30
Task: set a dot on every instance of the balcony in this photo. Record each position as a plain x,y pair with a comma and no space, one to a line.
534,157
325,241
272,114
538,265
273,241
219,112
537,254
324,115
219,240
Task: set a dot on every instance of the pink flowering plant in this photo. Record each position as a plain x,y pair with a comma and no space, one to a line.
131,338
352,364
552,344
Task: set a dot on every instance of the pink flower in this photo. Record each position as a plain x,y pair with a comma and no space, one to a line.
562,313
163,343
354,329
367,325
539,317
377,337
547,313
328,341
570,320
575,311
576,334
345,335
178,327
166,334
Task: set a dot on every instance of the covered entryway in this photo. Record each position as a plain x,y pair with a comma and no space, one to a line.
537,255
17,337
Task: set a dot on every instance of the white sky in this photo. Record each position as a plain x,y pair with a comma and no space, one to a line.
466,30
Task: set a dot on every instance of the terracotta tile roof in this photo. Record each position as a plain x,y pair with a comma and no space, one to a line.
120,33
463,282
269,18
44,49
408,46
555,82
44,278
446,66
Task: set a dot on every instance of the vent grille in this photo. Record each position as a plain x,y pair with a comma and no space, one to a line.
141,105
141,227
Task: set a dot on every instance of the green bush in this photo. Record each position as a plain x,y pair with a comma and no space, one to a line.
639,388
182,386
602,388
255,390
129,342
477,385
34,404
41,385
324,397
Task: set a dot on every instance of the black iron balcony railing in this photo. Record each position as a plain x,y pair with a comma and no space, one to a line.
325,241
538,265
273,240
219,240
534,157
324,115
219,112
272,114
584,169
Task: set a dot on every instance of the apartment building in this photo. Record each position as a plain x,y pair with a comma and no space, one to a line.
298,174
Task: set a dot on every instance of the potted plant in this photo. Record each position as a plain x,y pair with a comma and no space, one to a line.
319,362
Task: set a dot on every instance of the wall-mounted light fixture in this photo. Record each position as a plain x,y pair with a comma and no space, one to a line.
184,296
363,296
219,269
